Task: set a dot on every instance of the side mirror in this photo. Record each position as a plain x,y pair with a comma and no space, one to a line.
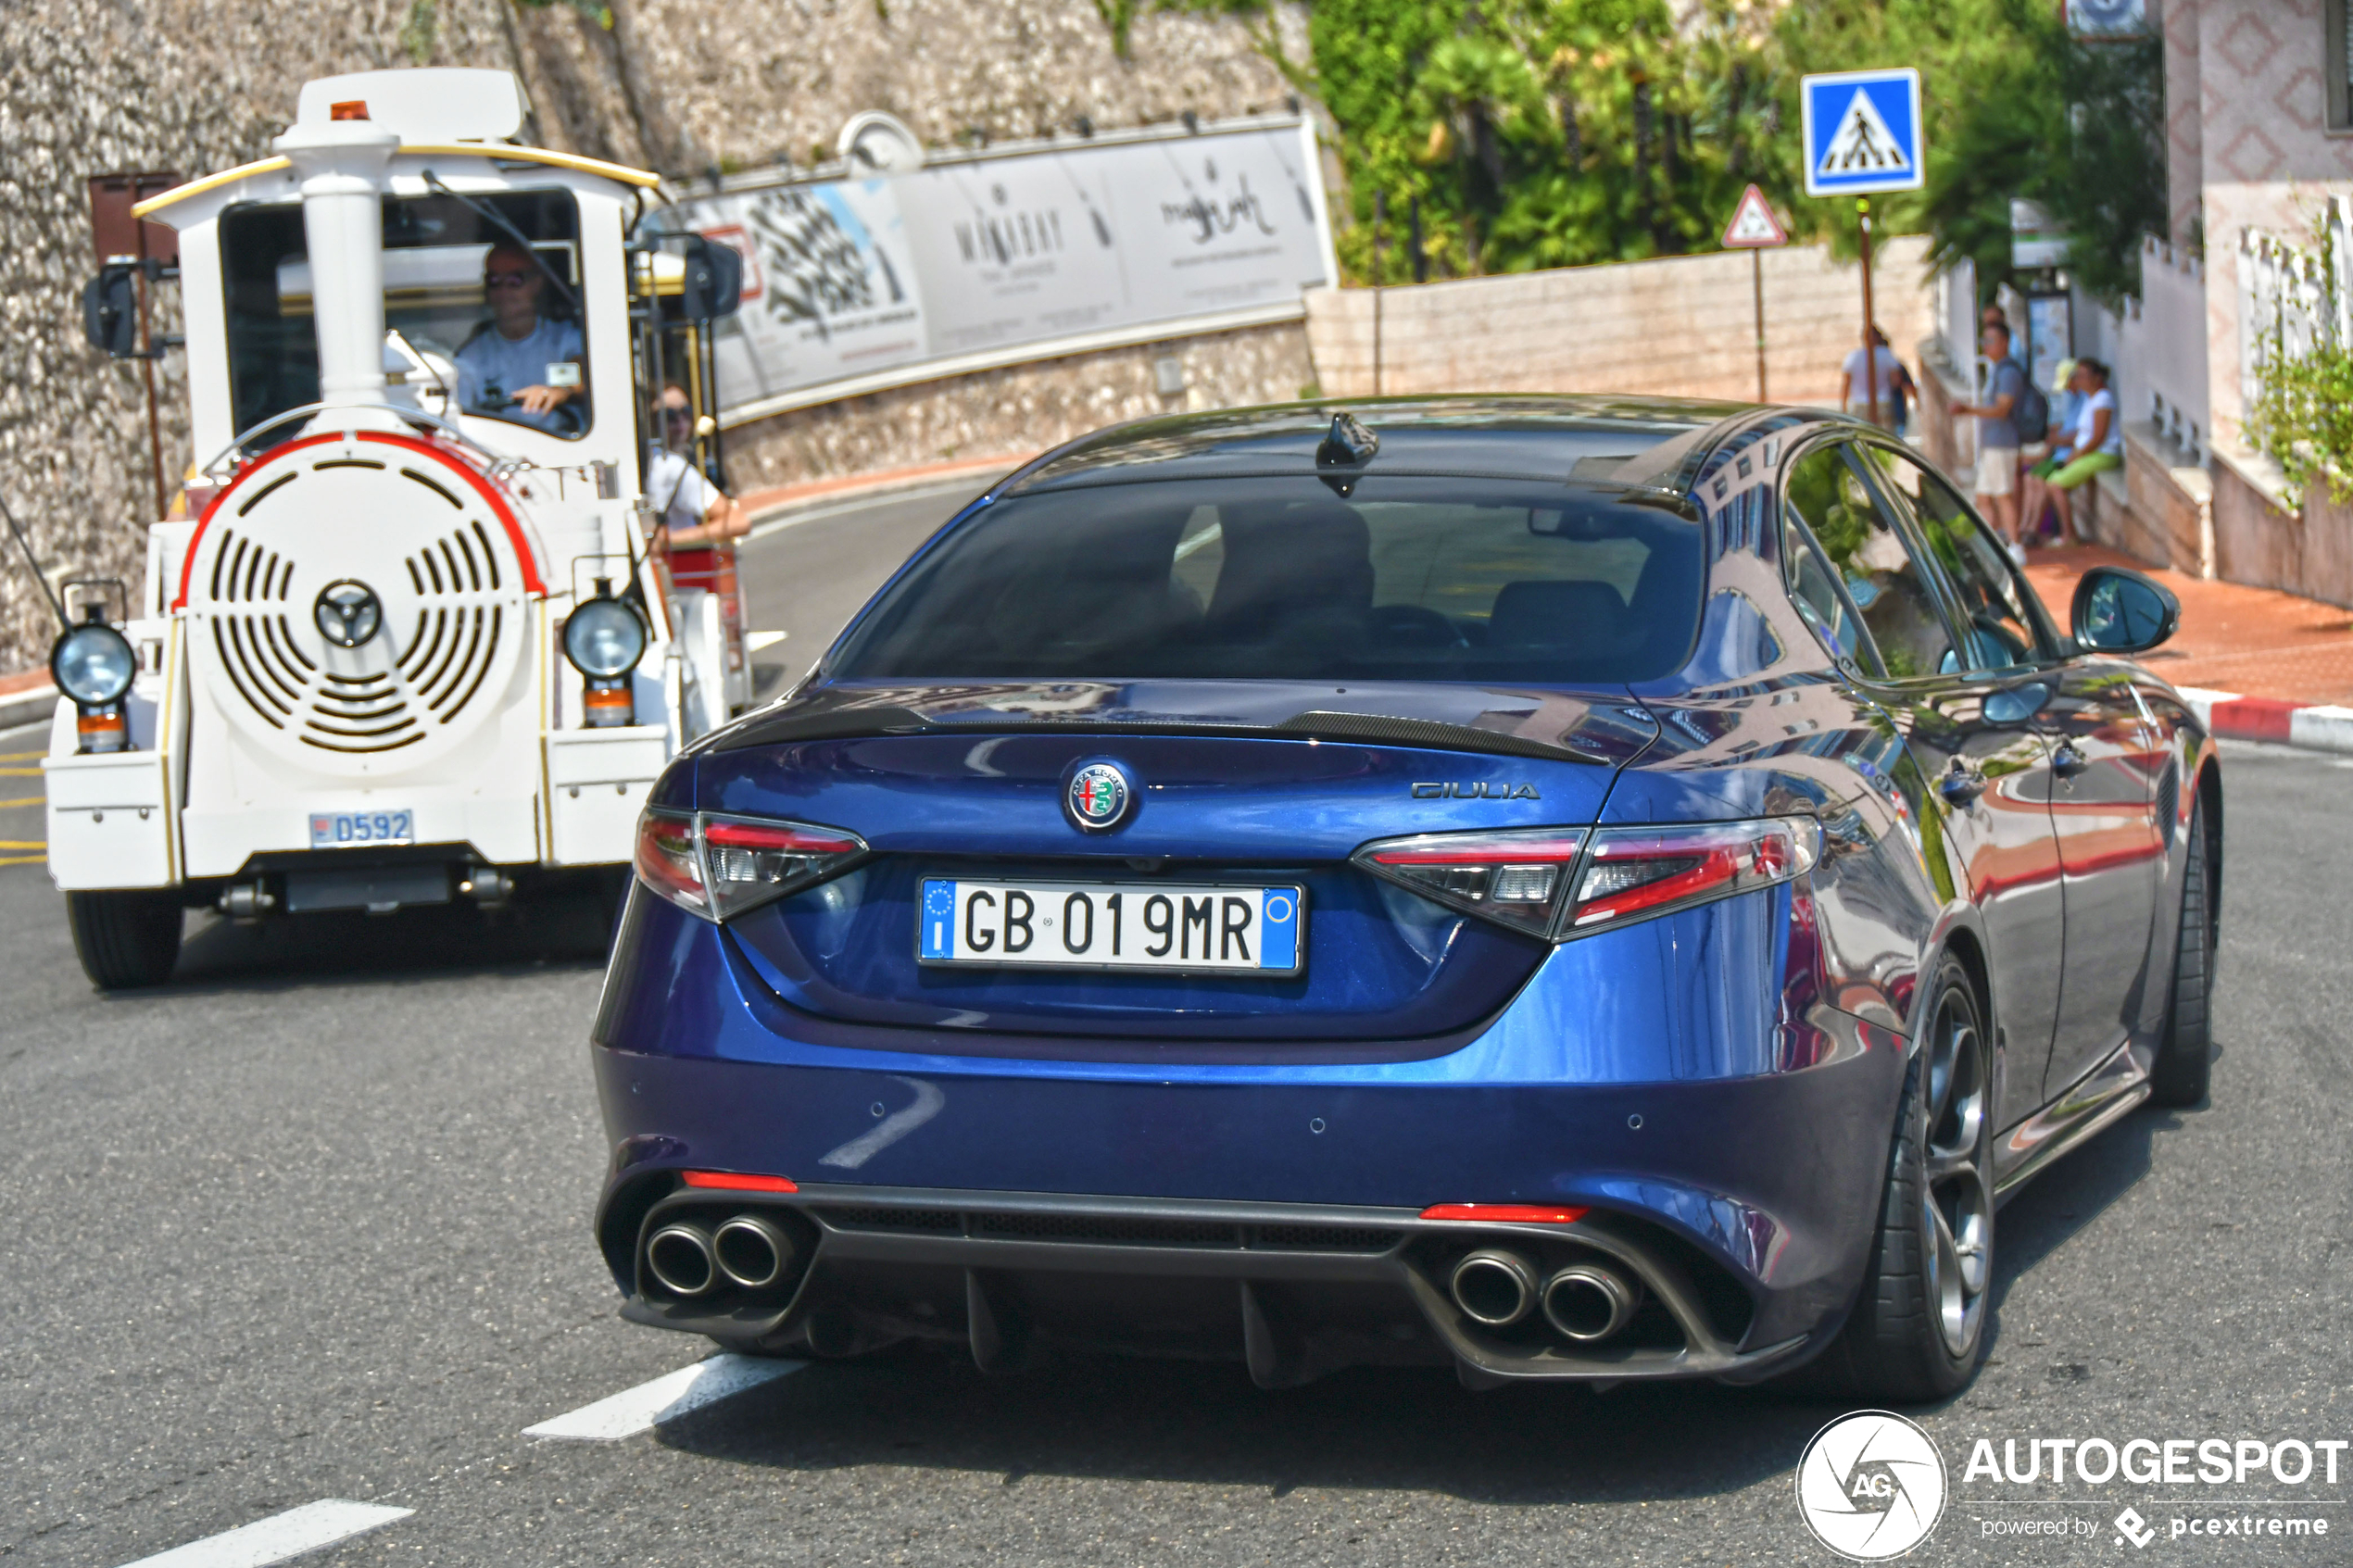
715,282
111,313
2118,611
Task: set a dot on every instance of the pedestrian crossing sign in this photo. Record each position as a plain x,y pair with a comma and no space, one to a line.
1862,132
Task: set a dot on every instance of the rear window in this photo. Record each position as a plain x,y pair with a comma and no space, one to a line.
1404,579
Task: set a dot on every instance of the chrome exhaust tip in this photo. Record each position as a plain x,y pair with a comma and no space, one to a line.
1587,1302
1493,1287
679,1258
750,1251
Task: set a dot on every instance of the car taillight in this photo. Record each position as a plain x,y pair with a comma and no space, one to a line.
1563,882
718,866
1515,878
1632,873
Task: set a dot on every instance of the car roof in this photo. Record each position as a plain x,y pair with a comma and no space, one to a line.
1654,442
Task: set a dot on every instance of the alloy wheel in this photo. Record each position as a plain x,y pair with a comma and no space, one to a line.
1956,1195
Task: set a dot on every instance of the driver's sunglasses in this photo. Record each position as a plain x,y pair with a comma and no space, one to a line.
677,416
504,280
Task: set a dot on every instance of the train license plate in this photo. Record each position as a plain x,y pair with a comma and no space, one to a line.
1253,930
350,830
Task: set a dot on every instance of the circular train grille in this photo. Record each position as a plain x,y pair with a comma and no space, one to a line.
330,536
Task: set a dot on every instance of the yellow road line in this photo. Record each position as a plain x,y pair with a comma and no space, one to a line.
22,859
23,844
28,800
21,755
19,772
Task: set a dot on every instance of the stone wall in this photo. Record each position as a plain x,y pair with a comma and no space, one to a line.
1683,326
88,86
1020,409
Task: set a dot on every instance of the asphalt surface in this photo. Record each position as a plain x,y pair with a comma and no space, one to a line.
311,1223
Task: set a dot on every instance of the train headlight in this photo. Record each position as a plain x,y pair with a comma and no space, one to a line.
604,639
93,664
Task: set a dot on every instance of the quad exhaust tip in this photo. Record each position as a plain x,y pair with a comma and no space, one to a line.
679,1258
1493,1287
751,1252
1588,1302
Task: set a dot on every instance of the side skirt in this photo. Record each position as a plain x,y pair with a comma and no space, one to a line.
2101,1096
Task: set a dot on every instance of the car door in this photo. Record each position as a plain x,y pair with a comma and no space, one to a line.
1981,737
1970,735
2107,758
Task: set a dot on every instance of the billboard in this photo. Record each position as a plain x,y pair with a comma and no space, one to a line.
976,260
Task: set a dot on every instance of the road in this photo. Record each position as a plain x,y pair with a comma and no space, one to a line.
311,1224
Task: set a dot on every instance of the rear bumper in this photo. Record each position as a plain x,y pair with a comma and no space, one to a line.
1765,1186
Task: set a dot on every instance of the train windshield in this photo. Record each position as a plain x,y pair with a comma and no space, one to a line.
480,320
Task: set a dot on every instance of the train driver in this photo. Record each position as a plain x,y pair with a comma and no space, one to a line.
520,365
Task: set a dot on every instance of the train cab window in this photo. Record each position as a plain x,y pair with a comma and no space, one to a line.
479,321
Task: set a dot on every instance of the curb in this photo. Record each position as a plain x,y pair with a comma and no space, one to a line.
762,505
2313,726
32,706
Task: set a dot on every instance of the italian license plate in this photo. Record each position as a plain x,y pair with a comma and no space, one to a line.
1113,925
350,830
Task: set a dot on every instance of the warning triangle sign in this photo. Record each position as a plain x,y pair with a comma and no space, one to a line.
1862,144
1753,227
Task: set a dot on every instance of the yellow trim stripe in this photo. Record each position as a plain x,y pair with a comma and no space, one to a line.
621,172
626,175
209,182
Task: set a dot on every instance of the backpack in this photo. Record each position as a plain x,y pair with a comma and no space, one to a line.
2031,413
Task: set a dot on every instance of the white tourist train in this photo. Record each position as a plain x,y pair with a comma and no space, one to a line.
409,645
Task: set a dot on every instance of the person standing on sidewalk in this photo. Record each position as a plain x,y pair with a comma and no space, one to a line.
1895,385
1997,440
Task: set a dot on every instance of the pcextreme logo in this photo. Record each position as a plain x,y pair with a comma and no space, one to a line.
1870,1485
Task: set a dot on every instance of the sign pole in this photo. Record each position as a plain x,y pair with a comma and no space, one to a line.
1757,284
1754,229
1871,350
1380,211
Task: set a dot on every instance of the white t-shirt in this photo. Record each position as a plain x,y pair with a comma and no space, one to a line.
493,366
1857,394
680,490
2081,442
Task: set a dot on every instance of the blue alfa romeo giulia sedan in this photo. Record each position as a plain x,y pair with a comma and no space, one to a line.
1563,888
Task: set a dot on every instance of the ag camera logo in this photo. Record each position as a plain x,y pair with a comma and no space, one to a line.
1870,1485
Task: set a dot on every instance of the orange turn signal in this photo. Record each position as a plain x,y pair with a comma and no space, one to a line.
350,108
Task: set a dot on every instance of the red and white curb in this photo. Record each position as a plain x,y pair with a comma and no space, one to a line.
2315,727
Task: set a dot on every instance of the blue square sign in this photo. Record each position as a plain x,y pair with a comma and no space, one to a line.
1863,133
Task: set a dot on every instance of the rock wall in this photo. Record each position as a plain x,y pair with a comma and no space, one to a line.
90,86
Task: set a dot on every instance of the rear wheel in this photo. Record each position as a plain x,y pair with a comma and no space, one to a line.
125,940
2184,1053
1919,1327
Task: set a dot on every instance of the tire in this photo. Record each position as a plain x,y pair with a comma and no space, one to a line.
1918,1326
125,940
2186,1051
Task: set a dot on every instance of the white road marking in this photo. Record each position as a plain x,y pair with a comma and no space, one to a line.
755,641
278,1537
665,1399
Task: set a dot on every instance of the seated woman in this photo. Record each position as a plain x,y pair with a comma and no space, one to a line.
2095,442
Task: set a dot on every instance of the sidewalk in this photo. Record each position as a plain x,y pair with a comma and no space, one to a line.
2261,664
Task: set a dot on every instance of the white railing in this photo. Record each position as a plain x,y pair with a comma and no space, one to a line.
2161,348
2293,298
